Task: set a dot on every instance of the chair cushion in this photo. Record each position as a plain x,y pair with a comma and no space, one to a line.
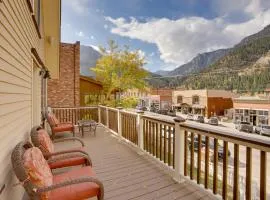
51,120
37,169
63,127
45,141
56,121
75,191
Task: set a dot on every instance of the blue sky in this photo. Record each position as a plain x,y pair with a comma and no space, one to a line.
168,33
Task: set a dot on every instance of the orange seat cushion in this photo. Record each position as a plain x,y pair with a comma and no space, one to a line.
76,191
63,127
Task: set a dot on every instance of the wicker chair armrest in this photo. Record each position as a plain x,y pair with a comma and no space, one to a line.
78,151
72,182
68,156
68,139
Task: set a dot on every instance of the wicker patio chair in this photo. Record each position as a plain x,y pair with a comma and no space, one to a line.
66,158
35,176
58,127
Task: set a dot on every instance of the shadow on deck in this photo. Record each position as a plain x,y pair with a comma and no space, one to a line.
128,175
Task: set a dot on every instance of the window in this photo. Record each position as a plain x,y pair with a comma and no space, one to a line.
179,99
36,6
195,99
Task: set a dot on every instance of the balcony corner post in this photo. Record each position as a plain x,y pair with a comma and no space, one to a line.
119,124
179,150
140,129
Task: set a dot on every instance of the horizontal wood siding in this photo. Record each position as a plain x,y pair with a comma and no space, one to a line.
17,36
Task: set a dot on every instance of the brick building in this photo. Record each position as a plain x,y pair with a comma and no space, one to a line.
65,91
165,96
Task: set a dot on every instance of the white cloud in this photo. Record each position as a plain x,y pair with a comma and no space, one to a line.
180,40
80,34
79,6
141,53
95,48
106,26
92,37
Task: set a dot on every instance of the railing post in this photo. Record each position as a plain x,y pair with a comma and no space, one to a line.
107,117
140,128
119,121
99,115
179,150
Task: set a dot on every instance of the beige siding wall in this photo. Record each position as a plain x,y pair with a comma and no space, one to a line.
188,94
17,36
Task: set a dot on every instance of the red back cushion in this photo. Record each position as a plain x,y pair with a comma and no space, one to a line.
53,120
37,169
45,141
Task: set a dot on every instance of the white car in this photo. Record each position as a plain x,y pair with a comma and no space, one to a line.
263,129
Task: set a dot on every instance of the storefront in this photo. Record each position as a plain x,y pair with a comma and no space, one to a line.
254,110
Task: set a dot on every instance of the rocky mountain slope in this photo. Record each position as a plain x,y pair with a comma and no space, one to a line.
88,59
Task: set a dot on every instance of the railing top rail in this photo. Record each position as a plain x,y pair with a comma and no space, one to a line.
228,135
113,109
160,119
128,112
85,107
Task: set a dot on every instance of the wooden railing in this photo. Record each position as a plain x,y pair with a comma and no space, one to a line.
113,119
103,115
128,127
205,137
196,151
159,139
74,114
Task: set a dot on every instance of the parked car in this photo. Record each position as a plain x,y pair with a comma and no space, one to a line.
163,112
263,129
199,118
211,147
244,126
221,153
171,113
213,121
143,108
190,117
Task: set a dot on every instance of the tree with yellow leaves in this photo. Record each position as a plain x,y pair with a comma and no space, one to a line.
120,69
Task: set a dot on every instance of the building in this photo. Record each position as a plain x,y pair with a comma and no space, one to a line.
205,102
136,93
64,91
165,96
29,47
91,91
255,110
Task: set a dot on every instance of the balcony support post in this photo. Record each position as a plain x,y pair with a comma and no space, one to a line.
179,150
107,117
119,124
140,129
99,114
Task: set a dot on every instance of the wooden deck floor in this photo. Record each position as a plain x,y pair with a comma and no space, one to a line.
128,175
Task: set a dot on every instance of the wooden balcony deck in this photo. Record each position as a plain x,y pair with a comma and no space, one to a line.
128,175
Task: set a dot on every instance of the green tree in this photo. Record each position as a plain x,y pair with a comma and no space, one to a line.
120,69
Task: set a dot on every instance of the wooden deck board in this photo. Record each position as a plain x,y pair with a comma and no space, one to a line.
128,175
